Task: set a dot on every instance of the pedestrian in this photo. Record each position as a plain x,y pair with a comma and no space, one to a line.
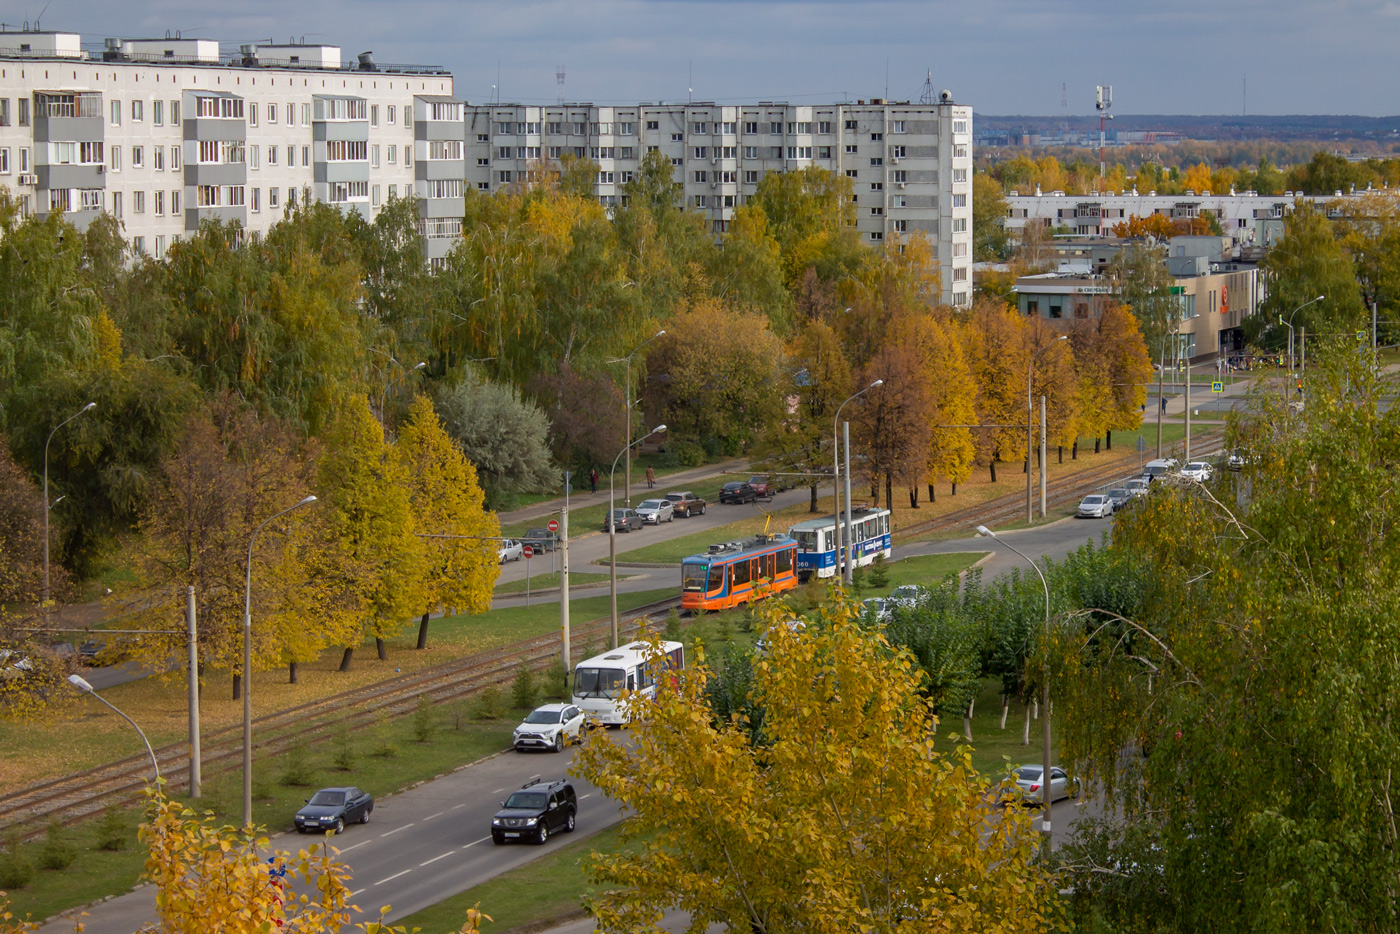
651,478
1164,403
593,480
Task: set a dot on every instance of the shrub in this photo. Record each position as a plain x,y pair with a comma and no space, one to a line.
423,721
296,766
556,683
344,750
57,852
879,573
523,690
683,454
673,626
384,747
112,831
16,869
487,704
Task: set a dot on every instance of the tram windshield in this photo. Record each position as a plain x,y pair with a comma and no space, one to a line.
806,540
693,577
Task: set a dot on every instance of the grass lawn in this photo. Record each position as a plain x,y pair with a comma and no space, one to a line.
589,518
548,581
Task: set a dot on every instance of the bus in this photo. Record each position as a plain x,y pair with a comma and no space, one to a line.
635,667
732,573
816,541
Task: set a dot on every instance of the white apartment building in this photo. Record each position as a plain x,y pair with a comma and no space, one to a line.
910,164
164,133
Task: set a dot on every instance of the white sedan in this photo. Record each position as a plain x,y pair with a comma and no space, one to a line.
656,511
1095,506
511,550
552,726
1199,471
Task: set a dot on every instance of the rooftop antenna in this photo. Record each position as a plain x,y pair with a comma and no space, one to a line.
927,96
1104,101
559,81
690,83
887,79
1064,109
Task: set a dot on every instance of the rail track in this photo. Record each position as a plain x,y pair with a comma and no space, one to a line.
82,795
76,797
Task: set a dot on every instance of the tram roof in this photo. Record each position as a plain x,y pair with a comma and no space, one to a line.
826,522
724,550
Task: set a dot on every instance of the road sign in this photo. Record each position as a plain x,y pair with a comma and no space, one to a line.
1141,444
552,525
528,552
1361,337
1217,386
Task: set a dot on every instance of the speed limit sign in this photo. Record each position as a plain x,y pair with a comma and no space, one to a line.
528,552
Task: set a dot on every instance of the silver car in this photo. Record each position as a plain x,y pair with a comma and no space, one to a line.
1200,471
552,727
511,550
656,511
1119,496
1095,506
1137,487
1028,781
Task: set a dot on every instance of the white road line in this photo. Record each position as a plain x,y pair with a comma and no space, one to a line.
395,830
589,795
475,842
456,806
431,816
356,846
393,877
356,892
436,858
498,791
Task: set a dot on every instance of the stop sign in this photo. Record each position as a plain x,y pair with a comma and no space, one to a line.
552,525
528,552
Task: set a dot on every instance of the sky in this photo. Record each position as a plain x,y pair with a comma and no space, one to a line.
1001,56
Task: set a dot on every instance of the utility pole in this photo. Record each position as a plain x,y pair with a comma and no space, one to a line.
1042,457
564,577
192,639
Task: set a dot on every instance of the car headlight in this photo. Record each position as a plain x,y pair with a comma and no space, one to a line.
531,821
496,822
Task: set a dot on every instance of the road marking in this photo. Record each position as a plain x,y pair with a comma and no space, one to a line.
395,830
475,842
356,892
436,858
589,795
456,806
356,846
393,877
431,816
498,791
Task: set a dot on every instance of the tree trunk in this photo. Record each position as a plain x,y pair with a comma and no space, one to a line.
381,648
992,466
347,657
291,672
913,497
889,490
967,719
955,490
1074,451
813,507
1026,464
237,687
1061,449
1026,731
932,496
1108,440
1005,707
1096,445
423,631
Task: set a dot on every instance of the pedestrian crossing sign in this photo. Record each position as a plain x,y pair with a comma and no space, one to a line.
1217,386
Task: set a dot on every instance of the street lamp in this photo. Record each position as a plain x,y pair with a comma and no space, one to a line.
248,666
1045,687
1030,368
612,528
389,384
836,470
79,682
627,394
47,504
1289,325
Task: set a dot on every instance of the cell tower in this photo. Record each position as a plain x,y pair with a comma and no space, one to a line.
927,97
559,81
1104,101
1064,109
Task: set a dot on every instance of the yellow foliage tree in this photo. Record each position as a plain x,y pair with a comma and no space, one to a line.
447,500
848,815
953,450
994,344
1152,225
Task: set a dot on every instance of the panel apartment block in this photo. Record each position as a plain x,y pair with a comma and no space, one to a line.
910,165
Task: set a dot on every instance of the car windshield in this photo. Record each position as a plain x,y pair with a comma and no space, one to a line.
1029,773
620,513
527,800
732,486
1197,465
652,504
544,716
537,533
328,798
675,497
598,682
1118,492
693,576
1092,500
758,480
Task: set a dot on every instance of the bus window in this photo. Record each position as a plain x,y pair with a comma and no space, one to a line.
693,577
741,572
597,682
716,578
785,560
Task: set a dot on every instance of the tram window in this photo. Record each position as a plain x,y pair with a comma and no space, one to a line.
716,578
784,560
771,561
693,577
806,540
741,572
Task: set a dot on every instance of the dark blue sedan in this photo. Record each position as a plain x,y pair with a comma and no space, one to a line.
333,808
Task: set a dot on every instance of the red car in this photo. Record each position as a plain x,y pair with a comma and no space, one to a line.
763,486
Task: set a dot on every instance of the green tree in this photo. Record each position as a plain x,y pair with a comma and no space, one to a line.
1306,263
990,241
503,435
810,214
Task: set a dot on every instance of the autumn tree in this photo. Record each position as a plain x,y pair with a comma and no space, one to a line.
1157,226
989,238
447,501
503,434
893,423
810,215
994,346
1306,263
952,446
1369,230
893,832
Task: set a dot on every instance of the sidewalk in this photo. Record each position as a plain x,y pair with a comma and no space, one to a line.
581,497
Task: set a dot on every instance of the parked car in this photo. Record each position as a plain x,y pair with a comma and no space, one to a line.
333,808
511,550
1119,496
626,520
552,726
905,595
686,504
1095,506
1156,468
1200,471
535,811
793,625
541,540
1136,487
656,511
1028,783
877,608
1235,461
737,492
87,652
763,486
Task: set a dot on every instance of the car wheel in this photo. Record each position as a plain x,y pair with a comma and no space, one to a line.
340,825
497,839
559,741
1075,790
702,510
569,824
364,818
542,834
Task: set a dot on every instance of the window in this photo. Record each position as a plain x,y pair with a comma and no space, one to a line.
136,111
306,155
138,157
699,201
159,203
174,202
727,152
445,111
291,156
899,176
525,152
877,236
61,153
116,114
750,152
305,114
392,115
408,117
138,202
677,161
823,152
852,149
374,191
852,173
157,158
751,127
799,152
801,127
116,204
959,152
272,194
901,226
160,246
24,158
653,125
701,128
625,129
897,126
24,111
726,128
392,156
343,150
960,274
959,126
502,152
605,178
138,244
775,127
898,152
627,152
253,115
223,108
208,195
959,201
449,187
824,126
271,160
341,192
291,121
751,178
291,197
501,128
4,161
876,160
702,176
271,115
702,152
877,212
114,159
959,225
340,109
626,178
877,137
374,156
255,200
729,201
554,153
850,125
157,113
959,249
602,129
254,154
208,152
877,186
727,178
393,192
960,175
775,152
677,137
483,186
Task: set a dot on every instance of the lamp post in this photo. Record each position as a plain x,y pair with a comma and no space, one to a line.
79,682
1289,325
612,529
384,397
1030,412
1045,689
47,504
627,394
248,666
836,469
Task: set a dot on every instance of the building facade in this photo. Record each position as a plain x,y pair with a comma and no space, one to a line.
910,165
166,133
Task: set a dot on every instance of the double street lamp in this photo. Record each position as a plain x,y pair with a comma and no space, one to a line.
1030,411
1289,325
612,527
836,477
627,399
248,666
48,505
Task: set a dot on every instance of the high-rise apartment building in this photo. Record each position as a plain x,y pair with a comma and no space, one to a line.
164,133
910,165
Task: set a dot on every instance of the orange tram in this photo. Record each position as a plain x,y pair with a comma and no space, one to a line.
732,573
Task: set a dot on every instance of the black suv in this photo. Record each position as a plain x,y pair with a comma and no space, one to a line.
538,809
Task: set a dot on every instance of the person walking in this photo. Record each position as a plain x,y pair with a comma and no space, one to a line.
651,478
593,480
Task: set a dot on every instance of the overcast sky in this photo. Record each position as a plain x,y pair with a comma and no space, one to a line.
1001,56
